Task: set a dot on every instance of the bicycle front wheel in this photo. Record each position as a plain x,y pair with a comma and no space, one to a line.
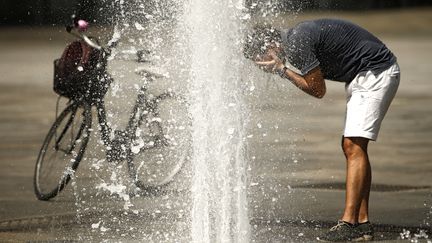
161,143
62,150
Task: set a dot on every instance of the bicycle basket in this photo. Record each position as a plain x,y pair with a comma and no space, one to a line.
80,72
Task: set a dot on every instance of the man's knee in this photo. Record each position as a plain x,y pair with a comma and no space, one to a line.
353,146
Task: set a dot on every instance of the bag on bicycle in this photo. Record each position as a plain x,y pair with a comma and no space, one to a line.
81,72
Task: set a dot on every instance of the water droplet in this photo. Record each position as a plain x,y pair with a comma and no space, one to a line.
96,225
138,26
103,229
231,131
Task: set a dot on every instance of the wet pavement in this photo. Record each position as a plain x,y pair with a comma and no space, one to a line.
296,164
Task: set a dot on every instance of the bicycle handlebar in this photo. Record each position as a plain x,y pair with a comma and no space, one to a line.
81,26
91,43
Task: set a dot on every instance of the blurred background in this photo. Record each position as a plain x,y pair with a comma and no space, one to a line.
53,12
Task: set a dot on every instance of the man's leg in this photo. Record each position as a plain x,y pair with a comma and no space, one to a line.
358,183
358,179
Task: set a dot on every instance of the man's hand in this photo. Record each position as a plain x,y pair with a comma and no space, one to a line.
312,83
270,62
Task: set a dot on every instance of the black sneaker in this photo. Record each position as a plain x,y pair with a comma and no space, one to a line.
343,231
366,230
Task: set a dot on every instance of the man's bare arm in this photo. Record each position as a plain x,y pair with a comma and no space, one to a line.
312,83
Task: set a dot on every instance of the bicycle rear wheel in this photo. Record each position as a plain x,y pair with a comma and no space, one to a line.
62,150
161,144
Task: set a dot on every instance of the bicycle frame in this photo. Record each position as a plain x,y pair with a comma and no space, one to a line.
122,138
118,146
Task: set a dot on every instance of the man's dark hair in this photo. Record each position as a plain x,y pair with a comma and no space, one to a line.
258,39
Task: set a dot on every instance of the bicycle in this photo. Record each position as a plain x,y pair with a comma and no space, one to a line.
154,145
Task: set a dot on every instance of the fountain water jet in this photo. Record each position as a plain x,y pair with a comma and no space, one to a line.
219,205
207,59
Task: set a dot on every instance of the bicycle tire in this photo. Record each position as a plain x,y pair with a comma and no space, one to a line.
157,162
51,177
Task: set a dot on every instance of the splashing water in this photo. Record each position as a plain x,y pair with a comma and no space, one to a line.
219,209
206,60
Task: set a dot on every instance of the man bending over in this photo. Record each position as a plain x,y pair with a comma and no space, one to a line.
332,49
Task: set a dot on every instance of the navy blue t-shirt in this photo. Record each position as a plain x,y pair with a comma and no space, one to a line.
340,48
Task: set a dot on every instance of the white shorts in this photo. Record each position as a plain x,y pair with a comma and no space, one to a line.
368,98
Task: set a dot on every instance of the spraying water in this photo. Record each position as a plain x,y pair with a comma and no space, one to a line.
219,205
207,60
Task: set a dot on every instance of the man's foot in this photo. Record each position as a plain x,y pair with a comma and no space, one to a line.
366,230
343,231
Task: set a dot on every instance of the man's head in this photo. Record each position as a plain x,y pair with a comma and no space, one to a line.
260,40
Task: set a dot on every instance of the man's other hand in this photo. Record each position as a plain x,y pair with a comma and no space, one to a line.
270,62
